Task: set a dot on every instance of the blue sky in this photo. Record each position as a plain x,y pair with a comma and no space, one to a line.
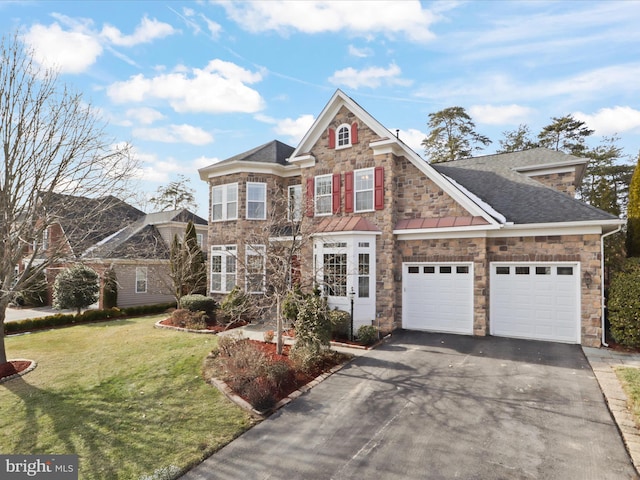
191,83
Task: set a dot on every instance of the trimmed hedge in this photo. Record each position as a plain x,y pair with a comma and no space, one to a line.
624,304
199,303
62,319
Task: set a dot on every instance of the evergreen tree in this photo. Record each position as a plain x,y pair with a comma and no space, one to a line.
188,266
516,140
565,134
452,136
174,196
76,287
633,214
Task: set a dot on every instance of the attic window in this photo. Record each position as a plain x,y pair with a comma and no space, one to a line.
344,136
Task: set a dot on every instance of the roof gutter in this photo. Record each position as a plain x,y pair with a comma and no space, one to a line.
602,319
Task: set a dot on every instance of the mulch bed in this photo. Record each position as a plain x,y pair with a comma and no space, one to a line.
13,367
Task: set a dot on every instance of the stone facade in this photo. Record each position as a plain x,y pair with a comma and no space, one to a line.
409,193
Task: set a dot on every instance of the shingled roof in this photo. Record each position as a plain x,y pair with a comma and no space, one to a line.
271,152
497,181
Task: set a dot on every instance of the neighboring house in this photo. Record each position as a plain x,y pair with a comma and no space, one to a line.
493,245
107,233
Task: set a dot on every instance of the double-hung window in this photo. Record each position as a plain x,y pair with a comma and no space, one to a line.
323,184
255,263
363,187
141,279
256,201
223,268
224,202
294,212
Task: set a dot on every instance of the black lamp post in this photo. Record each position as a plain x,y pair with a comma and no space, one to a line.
352,295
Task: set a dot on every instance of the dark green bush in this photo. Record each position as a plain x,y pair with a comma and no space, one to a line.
199,303
237,306
313,327
367,334
110,290
624,304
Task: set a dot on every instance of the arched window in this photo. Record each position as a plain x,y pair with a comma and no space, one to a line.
344,136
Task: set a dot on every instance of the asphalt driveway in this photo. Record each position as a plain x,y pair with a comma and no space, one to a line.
434,406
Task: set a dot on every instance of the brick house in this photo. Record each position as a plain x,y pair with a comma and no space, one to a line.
492,245
107,233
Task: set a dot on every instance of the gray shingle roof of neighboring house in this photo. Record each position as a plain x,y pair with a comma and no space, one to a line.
495,180
142,239
271,152
87,221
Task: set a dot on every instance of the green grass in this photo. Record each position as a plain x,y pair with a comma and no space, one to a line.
128,398
630,379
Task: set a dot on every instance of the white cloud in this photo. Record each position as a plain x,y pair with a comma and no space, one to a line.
359,52
144,115
500,114
67,51
364,18
147,31
294,129
175,134
203,161
608,121
218,88
372,77
413,138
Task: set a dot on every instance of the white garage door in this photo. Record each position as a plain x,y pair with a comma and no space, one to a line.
536,301
438,297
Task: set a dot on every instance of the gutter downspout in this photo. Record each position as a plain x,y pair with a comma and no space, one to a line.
602,276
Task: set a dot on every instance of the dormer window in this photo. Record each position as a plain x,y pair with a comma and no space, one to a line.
344,136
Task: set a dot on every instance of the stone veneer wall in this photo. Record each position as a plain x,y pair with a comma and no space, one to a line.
451,250
561,248
563,182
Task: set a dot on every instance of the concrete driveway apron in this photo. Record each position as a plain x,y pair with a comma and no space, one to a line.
435,406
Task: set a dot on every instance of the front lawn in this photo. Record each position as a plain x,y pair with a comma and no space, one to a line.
127,397
630,379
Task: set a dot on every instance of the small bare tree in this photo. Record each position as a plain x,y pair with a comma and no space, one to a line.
52,144
277,255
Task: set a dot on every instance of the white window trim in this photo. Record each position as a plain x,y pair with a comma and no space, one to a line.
225,202
255,251
316,196
346,145
223,251
294,212
356,191
139,277
264,201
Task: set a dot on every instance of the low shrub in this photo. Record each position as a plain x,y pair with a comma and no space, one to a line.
624,304
187,319
237,306
240,362
279,373
199,303
367,334
340,323
260,393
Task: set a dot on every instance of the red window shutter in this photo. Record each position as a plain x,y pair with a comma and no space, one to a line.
310,195
348,192
378,188
335,197
332,138
354,133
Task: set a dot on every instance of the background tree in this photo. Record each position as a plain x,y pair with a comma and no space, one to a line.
188,266
110,289
175,196
76,287
565,134
52,142
452,136
633,214
516,140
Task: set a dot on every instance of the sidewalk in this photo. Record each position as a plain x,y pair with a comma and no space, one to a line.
603,361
